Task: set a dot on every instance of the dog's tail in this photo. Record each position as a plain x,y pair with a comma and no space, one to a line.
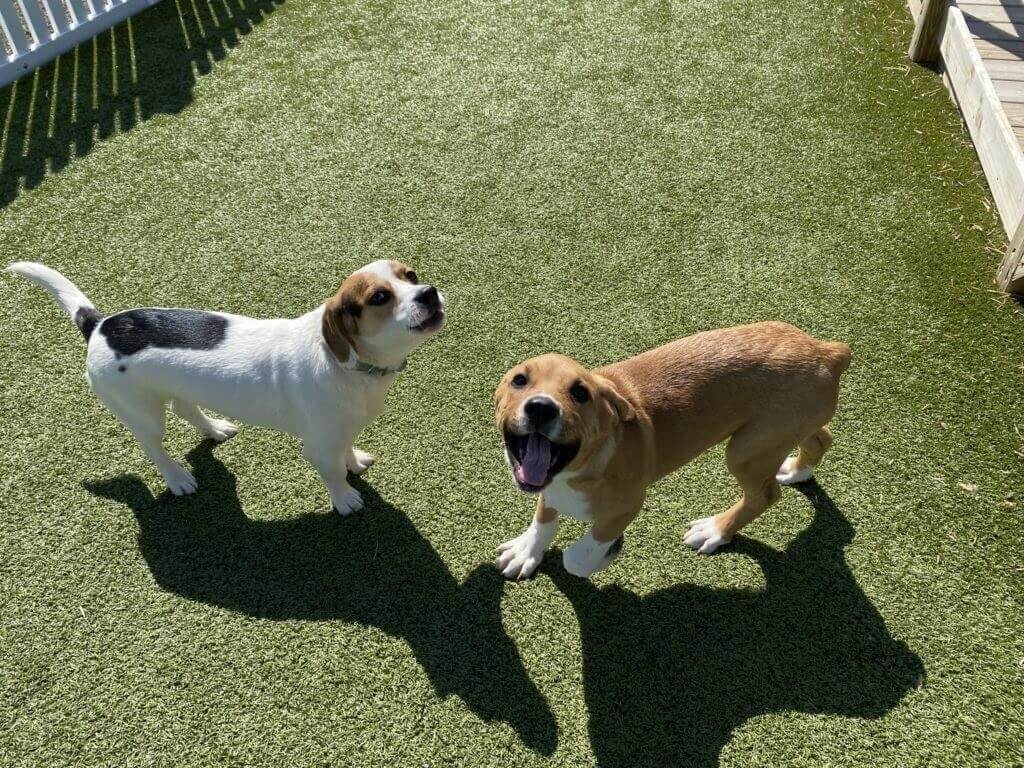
841,354
66,293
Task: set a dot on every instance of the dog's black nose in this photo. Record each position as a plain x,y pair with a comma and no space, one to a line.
540,410
428,297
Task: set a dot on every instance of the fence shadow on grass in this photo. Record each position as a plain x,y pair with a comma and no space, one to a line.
144,66
373,568
670,675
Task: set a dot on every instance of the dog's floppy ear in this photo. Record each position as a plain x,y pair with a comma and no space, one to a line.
499,391
619,404
339,326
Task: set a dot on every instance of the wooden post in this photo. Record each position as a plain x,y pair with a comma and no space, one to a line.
1011,271
924,45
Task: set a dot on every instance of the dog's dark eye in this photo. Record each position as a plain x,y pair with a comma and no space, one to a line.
380,297
412,277
519,380
579,393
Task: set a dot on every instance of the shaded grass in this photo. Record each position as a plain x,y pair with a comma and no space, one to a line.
141,68
594,179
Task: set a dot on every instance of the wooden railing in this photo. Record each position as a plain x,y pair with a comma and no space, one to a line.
942,35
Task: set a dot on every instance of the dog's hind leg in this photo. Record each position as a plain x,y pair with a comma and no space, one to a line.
143,413
216,429
753,461
357,461
800,467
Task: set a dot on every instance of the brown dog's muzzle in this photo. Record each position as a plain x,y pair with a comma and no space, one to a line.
536,459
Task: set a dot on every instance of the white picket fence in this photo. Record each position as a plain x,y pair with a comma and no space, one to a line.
37,31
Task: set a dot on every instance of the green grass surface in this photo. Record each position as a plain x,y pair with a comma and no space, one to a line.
593,178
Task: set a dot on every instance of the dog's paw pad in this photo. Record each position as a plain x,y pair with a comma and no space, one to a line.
349,502
704,536
791,473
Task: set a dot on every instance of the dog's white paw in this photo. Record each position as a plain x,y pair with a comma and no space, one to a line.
348,502
588,555
180,481
518,558
704,536
220,430
789,474
358,461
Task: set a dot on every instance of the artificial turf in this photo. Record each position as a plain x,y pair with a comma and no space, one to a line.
593,178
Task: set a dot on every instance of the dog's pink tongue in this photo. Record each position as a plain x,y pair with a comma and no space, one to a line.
536,460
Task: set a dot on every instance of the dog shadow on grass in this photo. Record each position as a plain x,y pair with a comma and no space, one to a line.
670,675
667,677
373,568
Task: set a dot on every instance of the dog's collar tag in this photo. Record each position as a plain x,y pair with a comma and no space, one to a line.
376,370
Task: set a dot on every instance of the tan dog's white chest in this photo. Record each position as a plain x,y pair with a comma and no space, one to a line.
566,500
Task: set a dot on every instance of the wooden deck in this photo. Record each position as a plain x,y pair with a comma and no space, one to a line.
982,57
997,28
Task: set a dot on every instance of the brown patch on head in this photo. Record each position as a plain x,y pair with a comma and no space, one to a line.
590,405
403,272
362,304
341,318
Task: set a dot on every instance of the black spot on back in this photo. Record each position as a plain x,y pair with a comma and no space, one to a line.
134,330
86,319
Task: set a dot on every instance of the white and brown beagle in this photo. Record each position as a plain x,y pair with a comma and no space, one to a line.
590,442
322,376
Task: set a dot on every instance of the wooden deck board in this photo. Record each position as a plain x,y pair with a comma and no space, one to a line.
1000,13
991,30
1009,91
1004,3
993,13
1002,51
1015,114
1005,69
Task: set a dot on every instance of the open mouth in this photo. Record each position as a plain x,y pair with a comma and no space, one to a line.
536,459
432,323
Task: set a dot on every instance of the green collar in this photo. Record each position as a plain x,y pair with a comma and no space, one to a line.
376,370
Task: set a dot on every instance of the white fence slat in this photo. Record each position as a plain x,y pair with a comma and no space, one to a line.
58,17
36,21
98,6
80,10
11,22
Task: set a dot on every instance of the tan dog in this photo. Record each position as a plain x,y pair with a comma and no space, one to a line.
590,442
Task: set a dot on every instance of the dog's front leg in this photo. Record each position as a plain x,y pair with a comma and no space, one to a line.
518,558
328,456
599,546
